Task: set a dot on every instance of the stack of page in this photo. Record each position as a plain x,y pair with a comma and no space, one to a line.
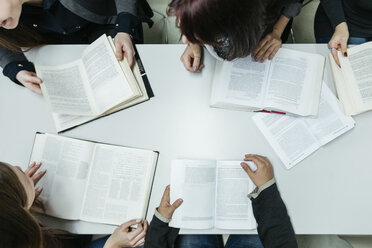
353,80
94,182
214,195
93,86
295,138
289,83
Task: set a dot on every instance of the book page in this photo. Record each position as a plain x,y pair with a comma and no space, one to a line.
233,207
357,70
331,121
64,122
240,83
295,82
67,163
66,89
109,84
119,184
346,92
289,137
195,182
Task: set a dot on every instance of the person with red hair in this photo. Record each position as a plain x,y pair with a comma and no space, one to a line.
232,28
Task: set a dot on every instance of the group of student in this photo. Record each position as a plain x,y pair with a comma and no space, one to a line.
228,29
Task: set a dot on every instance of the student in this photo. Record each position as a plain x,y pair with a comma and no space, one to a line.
342,22
20,229
232,28
274,226
31,23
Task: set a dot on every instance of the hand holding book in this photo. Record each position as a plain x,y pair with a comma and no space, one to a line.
264,171
165,208
35,176
124,237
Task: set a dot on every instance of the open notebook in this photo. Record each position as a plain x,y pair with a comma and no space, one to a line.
295,138
93,86
214,195
289,83
353,80
94,182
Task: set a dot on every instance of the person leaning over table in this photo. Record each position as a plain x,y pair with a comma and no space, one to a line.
274,225
232,28
19,228
31,23
342,22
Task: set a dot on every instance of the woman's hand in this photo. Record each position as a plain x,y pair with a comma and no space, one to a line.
191,57
30,80
264,171
268,47
124,237
31,172
165,208
338,41
124,47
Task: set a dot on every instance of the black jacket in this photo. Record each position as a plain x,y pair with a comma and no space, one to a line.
274,226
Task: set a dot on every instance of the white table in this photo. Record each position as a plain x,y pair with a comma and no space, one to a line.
327,193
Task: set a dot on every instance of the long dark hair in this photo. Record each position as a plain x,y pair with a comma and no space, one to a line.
20,37
243,22
18,228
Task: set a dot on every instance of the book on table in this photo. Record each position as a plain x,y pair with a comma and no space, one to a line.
93,86
214,195
289,83
353,80
295,138
94,182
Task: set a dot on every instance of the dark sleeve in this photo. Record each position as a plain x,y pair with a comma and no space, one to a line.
160,235
128,23
13,62
11,69
334,11
274,226
293,8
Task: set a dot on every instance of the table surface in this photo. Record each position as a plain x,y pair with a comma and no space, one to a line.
327,193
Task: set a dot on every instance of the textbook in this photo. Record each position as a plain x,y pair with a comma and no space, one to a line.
93,86
94,182
214,195
295,138
289,83
353,80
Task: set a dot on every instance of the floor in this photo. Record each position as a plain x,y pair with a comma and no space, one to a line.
303,33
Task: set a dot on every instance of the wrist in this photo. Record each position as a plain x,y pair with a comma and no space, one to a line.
110,243
342,27
163,213
278,32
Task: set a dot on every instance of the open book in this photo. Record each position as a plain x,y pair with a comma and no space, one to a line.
291,83
295,138
353,80
214,194
91,87
94,182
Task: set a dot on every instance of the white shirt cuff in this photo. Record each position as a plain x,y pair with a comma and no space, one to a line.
255,193
161,217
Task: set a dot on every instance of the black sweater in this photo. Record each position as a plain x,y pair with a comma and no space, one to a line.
274,226
356,13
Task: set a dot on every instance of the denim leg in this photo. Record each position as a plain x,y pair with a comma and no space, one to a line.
199,241
98,243
356,40
244,241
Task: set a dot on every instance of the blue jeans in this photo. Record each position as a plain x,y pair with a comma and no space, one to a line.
215,241
352,40
99,243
